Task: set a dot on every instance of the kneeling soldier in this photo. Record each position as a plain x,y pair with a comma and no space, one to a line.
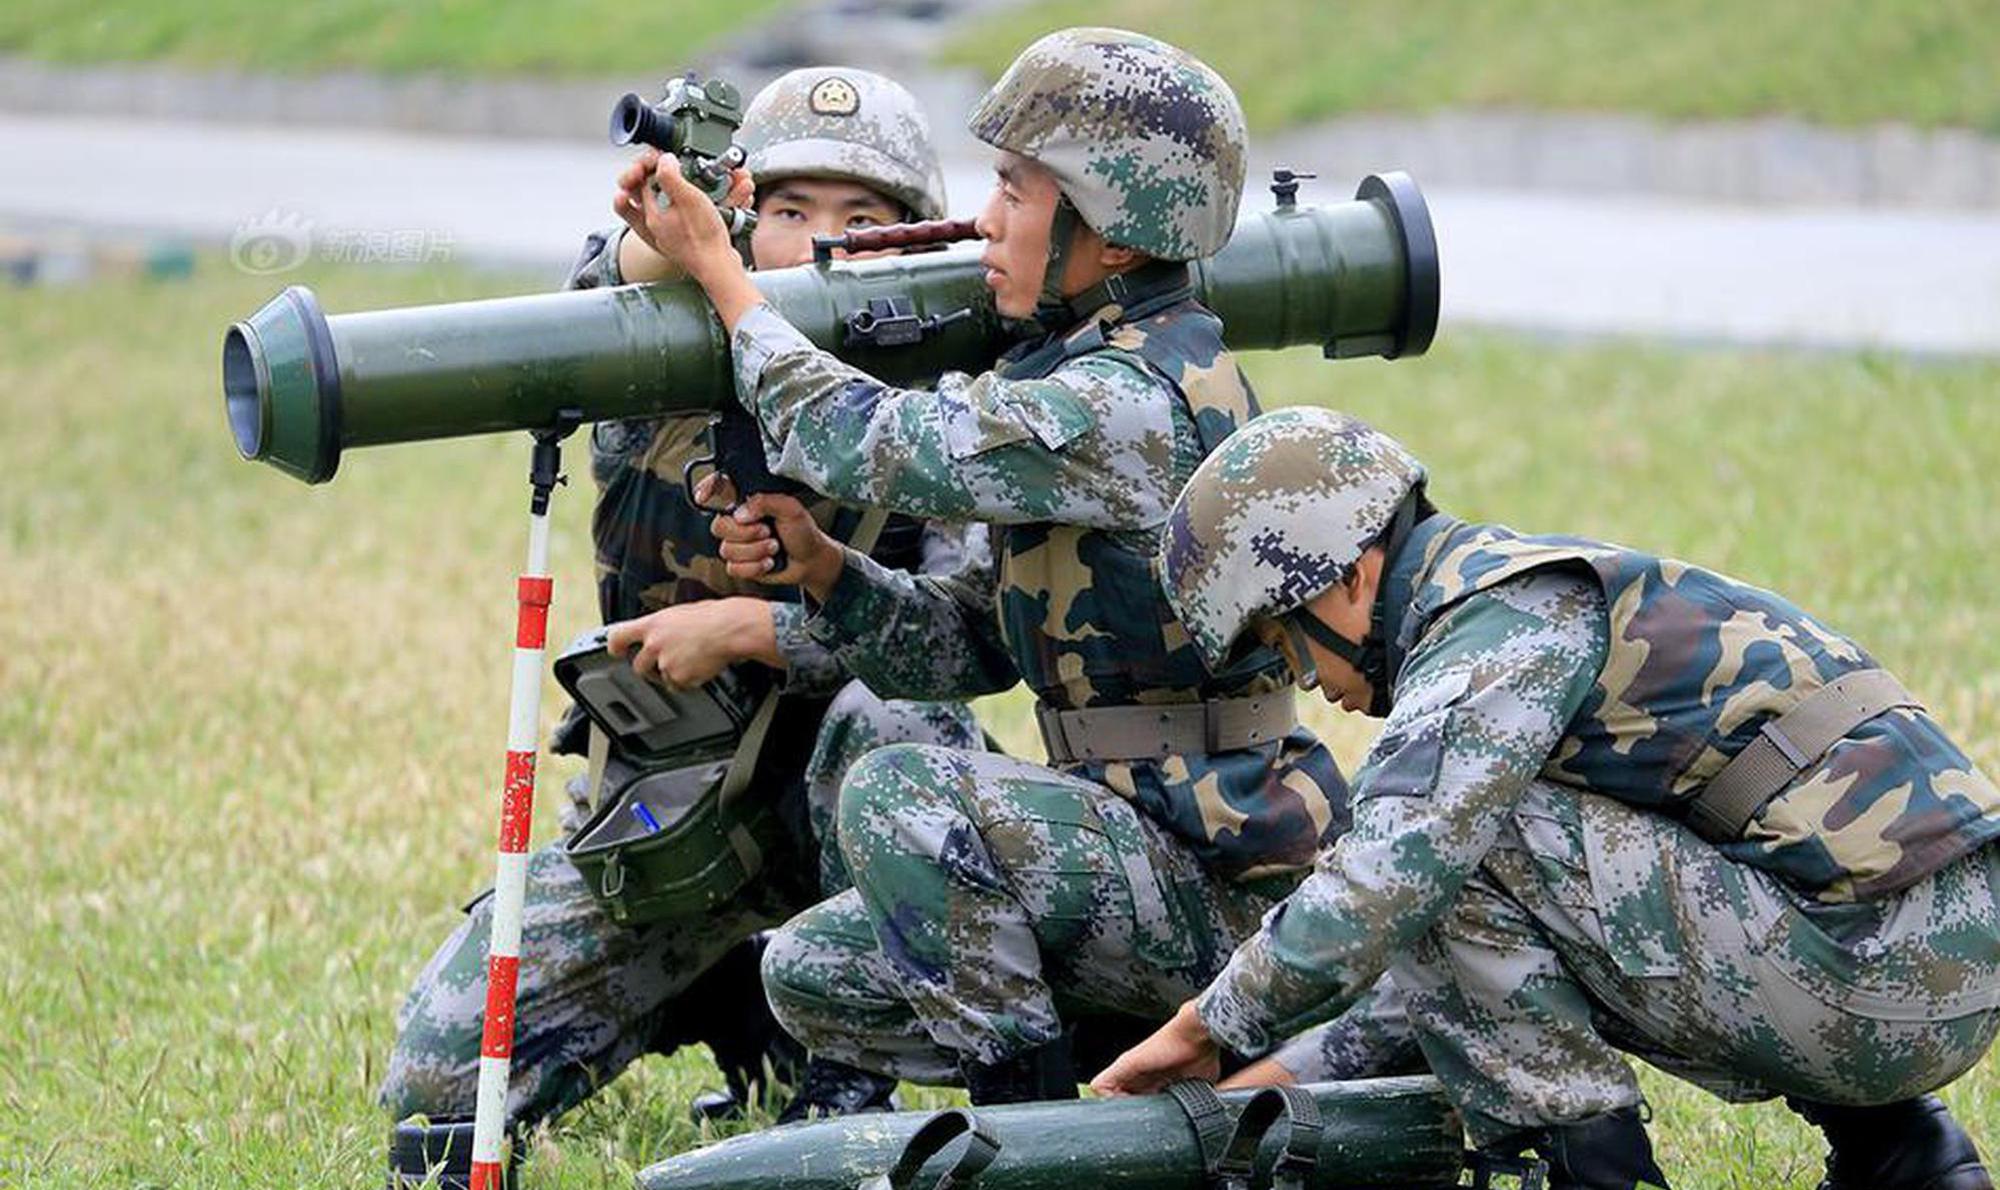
997,900
1619,803
832,149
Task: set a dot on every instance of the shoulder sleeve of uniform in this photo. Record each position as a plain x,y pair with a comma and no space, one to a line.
922,636
1092,444
1480,707
810,667
1051,412
597,266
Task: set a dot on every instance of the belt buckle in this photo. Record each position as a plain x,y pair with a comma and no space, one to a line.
1793,755
1248,736
1055,736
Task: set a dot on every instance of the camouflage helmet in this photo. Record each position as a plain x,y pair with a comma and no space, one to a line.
1279,513
848,125
1145,140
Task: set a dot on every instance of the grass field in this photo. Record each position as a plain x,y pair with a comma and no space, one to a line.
590,37
1838,61
250,732
1929,62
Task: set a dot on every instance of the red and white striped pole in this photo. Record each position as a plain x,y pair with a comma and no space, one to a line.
517,810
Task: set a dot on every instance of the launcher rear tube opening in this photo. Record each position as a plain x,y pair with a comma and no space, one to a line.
244,394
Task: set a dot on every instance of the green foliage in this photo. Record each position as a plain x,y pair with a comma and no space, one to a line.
591,37
1929,62
250,731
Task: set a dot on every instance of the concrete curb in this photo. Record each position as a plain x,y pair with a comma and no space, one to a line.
1765,161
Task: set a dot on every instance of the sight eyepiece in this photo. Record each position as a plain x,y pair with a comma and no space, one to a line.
636,122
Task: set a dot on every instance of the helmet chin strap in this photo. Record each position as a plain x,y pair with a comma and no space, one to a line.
1052,309
1370,655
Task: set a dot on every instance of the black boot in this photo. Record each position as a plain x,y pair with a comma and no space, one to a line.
1045,1072
832,1088
1607,1152
1913,1144
725,1009
441,1148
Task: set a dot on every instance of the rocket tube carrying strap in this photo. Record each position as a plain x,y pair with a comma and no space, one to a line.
1140,732
1296,1159
1210,1117
940,1130
1788,745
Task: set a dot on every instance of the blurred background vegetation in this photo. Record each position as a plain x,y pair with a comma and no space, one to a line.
1928,62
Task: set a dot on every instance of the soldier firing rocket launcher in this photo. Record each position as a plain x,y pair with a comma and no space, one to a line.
1356,278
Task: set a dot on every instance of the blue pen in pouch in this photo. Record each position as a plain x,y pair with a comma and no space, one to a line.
644,814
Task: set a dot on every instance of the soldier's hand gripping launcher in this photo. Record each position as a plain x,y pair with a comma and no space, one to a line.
697,123
1355,278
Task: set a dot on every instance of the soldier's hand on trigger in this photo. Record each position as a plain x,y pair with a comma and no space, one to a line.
638,191
690,643
815,559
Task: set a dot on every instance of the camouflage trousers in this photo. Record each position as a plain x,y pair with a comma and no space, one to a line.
1594,929
593,996
1006,896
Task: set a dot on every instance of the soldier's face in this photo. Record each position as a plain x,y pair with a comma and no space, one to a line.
1347,608
794,210
1015,224
1291,645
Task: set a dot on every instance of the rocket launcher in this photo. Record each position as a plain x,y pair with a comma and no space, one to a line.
300,386
1361,1135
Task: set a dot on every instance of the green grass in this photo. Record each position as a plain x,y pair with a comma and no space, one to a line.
1930,62
250,731
587,37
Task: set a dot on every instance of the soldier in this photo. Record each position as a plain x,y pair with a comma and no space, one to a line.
830,149
997,900
1619,803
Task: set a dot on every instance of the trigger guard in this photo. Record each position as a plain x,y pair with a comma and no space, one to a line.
691,475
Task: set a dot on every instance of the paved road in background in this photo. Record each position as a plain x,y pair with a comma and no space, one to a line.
1601,265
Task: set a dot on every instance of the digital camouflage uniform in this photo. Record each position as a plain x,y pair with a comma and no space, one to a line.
996,898
593,995
1517,858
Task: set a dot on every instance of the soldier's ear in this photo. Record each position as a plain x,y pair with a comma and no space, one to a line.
1117,258
1366,576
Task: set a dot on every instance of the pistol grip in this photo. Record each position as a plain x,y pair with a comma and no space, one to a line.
779,560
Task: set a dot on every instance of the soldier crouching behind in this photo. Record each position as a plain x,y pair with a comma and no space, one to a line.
830,150
998,901
1620,803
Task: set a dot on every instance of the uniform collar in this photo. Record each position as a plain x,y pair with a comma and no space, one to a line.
1399,588
1092,314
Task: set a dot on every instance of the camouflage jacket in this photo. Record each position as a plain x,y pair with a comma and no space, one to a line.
1074,447
654,549
1699,663
1519,658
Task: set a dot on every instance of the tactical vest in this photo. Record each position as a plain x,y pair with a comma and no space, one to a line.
1698,663
654,548
1084,619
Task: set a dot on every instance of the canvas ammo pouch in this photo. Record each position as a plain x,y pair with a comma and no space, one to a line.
670,834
